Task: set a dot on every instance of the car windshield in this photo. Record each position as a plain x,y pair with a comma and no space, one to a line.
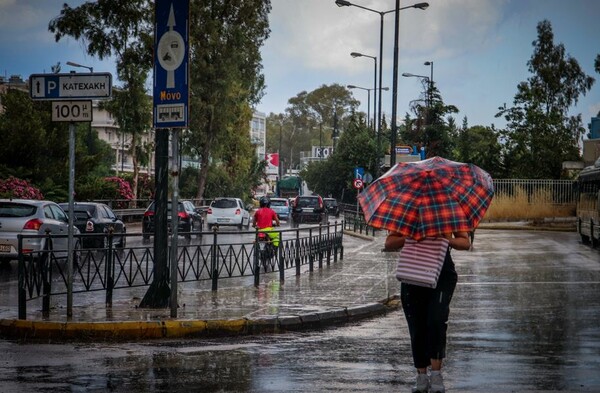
330,202
81,215
224,204
308,202
10,209
278,203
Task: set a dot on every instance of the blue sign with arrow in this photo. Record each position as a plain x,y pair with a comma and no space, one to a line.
171,63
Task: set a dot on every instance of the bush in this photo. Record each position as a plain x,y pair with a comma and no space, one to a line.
17,188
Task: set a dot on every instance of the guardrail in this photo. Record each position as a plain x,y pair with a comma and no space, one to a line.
43,274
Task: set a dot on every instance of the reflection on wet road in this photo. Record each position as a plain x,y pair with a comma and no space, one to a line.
524,318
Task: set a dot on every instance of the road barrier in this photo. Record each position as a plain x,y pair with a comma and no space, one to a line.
43,274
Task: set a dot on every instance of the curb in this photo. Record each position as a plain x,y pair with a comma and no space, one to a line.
24,330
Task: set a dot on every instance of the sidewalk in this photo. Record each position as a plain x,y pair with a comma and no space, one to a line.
347,290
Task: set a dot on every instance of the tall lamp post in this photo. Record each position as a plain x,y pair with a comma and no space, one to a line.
421,6
368,99
355,55
425,78
430,63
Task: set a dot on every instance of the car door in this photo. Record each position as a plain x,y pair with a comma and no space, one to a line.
57,223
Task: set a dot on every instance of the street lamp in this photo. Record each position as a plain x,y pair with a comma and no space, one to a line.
80,66
425,78
421,6
355,55
430,63
369,94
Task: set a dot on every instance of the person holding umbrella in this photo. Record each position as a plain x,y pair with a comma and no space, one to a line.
426,311
433,198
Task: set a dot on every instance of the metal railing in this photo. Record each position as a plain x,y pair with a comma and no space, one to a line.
558,192
43,274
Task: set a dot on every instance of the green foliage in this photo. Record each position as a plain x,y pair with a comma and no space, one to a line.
540,134
225,81
357,147
480,145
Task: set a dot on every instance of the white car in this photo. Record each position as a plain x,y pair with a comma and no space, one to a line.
228,211
32,217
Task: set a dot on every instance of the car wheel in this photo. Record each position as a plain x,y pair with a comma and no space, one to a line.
123,241
77,254
210,227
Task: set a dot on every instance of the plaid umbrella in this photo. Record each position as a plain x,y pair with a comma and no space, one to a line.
428,198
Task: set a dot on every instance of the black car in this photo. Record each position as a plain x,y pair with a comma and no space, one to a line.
190,219
308,209
97,218
332,206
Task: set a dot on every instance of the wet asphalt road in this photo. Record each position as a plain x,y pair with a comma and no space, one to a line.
525,317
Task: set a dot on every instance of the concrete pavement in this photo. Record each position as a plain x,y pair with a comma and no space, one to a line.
347,290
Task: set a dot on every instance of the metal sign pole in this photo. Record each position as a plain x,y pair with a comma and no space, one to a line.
174,218
71,214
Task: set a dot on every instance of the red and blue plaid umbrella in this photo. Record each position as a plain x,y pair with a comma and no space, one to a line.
428,198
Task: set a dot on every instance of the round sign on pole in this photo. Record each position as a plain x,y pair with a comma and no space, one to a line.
358,184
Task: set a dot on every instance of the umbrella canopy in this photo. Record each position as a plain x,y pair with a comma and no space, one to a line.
428,198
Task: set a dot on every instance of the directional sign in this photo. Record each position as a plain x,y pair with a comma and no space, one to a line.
84,86
72,111
359,172
171,65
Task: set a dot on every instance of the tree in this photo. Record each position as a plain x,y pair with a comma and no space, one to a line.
432,127
357,147
540,134
312,118
480,145
122,29
36,149
226,81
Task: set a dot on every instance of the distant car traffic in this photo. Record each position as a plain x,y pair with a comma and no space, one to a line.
190,219
97,218
228,211
308,209
281,207
332,207
32,217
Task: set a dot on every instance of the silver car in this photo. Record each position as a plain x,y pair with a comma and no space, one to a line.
32,217
281,207
228,211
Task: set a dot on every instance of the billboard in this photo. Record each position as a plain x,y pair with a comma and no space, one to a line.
272,163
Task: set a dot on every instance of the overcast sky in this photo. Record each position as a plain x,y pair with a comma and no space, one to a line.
479,48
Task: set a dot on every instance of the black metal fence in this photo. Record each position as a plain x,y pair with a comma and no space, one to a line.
207,257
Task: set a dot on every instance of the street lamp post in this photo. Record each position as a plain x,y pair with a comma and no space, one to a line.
430,63
368,92
72,64
428,101
356,54
421,6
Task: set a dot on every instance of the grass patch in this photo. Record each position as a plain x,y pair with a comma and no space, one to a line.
521,206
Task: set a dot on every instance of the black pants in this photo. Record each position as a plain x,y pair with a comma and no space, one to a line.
427,311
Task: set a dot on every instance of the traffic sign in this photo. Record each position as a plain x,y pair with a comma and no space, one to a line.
358,184
72,86
171,79
72,111
359,172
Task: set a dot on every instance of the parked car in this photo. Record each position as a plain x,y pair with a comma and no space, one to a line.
281,207
308,209
190,219
32,217
97,218
332,206
228,211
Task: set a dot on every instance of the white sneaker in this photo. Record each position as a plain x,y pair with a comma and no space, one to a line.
436,383
422,384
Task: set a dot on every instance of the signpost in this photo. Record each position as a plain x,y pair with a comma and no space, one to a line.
79,90
70,86
72,111
171,65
